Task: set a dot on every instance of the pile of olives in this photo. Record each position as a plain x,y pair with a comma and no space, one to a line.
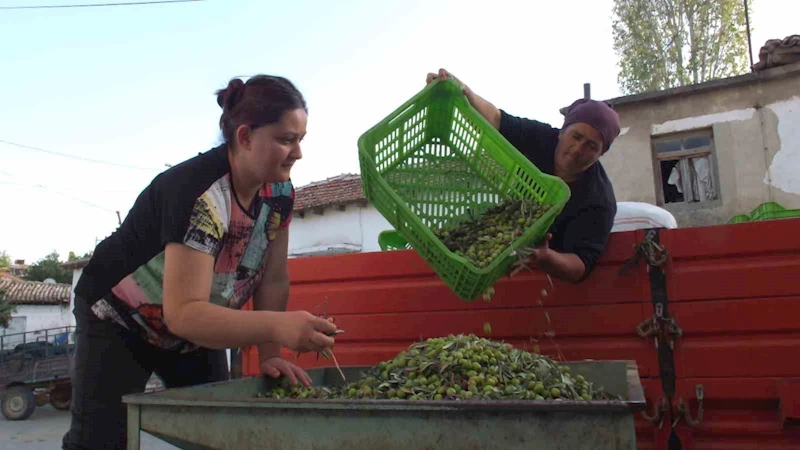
460,367
481,239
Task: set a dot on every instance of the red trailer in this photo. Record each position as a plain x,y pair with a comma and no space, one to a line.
711,311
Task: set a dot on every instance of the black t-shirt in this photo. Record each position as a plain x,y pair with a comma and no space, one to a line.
585,222
194,204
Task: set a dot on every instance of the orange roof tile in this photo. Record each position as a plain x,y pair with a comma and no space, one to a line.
35,292
337,190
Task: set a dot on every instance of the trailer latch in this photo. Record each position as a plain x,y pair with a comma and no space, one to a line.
651,327
659,412
683,409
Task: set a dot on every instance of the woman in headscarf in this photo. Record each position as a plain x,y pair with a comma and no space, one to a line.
579,234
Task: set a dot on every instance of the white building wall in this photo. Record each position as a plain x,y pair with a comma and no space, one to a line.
34,319
40,317
76,275
355,229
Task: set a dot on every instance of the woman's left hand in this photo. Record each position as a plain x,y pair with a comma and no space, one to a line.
539,255
277,366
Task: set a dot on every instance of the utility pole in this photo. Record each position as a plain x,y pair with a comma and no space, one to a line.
119,219
749,43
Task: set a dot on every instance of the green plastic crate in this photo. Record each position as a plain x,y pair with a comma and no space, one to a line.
766,211
392,240
433,159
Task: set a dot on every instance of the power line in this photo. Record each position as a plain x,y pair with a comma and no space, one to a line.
93,5
79,158
75,198
59,188
36,185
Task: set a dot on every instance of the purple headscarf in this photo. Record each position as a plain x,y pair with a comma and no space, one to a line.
600,115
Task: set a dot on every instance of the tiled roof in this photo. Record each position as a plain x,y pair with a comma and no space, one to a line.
338,190
35,292
9,276
76,264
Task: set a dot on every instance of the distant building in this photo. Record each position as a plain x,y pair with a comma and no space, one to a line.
39,306
710,151
19,269
333,216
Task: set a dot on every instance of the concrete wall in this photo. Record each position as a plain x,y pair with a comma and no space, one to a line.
76,275
40,317
355,229
756,140
32,319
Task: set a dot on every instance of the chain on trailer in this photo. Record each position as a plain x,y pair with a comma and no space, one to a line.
665,331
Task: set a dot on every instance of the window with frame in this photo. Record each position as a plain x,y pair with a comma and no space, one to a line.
685,168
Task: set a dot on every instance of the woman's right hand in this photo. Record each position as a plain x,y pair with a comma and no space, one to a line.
443,75
486,109
302,331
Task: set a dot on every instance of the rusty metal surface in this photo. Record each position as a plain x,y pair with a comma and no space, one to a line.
359,428
226,415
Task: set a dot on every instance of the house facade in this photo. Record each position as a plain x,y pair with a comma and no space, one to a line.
38,307
333,216
710,151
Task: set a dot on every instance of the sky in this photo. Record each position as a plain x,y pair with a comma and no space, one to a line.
133,86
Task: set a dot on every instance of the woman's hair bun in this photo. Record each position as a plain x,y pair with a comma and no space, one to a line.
228,98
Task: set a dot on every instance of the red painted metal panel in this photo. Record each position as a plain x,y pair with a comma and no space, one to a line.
741,276
428,293
789,394
731,290
738,355
745,316
610,320
731,241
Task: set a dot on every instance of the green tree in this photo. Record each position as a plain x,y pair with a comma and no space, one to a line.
6,310
5,259
669,43
73,257
48,267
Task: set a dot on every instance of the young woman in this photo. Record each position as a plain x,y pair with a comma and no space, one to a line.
163,293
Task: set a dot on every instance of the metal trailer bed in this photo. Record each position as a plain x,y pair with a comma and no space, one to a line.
35,368
227,415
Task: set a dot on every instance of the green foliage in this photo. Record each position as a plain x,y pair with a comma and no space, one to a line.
669,43
5,259
73,257
49,267
6,310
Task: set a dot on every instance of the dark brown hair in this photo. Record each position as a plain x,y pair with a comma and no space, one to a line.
261,101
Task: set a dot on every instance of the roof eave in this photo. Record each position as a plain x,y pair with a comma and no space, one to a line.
773,73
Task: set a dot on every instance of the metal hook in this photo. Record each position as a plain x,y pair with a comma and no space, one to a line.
683,409
659,408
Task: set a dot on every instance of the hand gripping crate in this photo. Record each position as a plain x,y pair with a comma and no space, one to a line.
434,161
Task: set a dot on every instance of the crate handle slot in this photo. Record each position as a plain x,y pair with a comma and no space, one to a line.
402,113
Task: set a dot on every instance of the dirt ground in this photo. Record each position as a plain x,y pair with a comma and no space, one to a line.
45,428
